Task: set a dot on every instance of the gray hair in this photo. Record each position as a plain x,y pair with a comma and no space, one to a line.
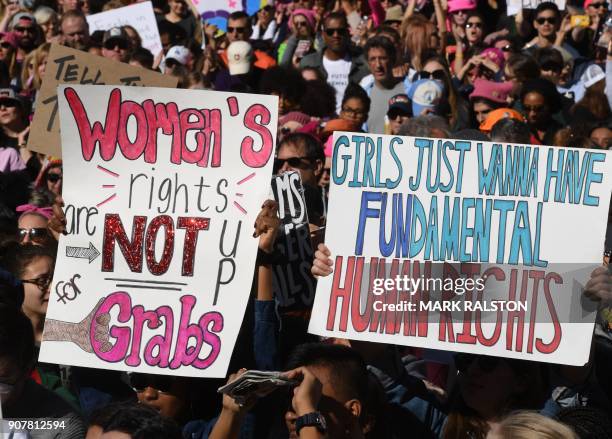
423,126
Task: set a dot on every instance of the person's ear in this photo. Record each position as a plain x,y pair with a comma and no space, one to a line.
354,406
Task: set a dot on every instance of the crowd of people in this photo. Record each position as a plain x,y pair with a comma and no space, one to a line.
462,69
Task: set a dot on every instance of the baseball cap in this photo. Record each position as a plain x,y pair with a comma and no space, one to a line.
592,75
22,16
460,5
425,94
115,32
8,94
400,103
239,57
496,115
180,54
493,91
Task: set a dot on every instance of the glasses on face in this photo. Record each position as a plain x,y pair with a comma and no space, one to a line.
535,109
236,29
356,112
5,45
507,48
341,31
471,24
300,23
8,103
485,363
396,114
54,178
549,20
460,12
41,282
551,67
23,30
293,162
599,5
120,43
436,74
36,234
140,381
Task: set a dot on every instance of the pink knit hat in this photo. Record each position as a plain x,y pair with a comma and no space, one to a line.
307,14
294,116
460,5
493,91
496,55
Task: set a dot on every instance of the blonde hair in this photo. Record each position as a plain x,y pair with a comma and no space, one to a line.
532,425
416,32
40,55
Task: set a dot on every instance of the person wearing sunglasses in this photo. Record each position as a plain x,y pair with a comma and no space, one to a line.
169,395
337,61
8,54
302,153
399,111
547,23
32,225
239,29
50,179
474,28
13,122
116,44
596,9
27,31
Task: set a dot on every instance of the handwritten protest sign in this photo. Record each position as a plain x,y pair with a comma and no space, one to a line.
162,188
464,246
138,15
293,284
514,6
67,66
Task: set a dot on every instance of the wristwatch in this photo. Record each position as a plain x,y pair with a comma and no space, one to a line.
314,419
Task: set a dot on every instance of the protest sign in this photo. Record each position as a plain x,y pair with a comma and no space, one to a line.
514,6
162,188
464,246
66,66
138,15
293,284
218,11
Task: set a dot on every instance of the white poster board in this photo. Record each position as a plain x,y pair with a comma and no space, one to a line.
527,224
162,188
138,15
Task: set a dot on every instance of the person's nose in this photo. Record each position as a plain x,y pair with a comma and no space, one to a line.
285,167
150,394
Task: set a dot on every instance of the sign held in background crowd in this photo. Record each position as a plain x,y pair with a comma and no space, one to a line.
70,66
161,195
138,15
493,210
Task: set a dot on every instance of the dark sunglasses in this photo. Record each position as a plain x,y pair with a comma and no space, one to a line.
238,30
340,30
5,45
23,30
36,234
599,5
8,103
507,48
121,43
54,178
140,381
395,113
41,282
485,363
438,74
470,25
550,20
300,23
293,162
551,67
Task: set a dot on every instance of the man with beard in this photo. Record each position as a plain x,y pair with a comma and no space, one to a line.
74,30
25,28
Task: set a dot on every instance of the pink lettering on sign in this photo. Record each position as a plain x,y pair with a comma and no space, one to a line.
196,344
196,133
